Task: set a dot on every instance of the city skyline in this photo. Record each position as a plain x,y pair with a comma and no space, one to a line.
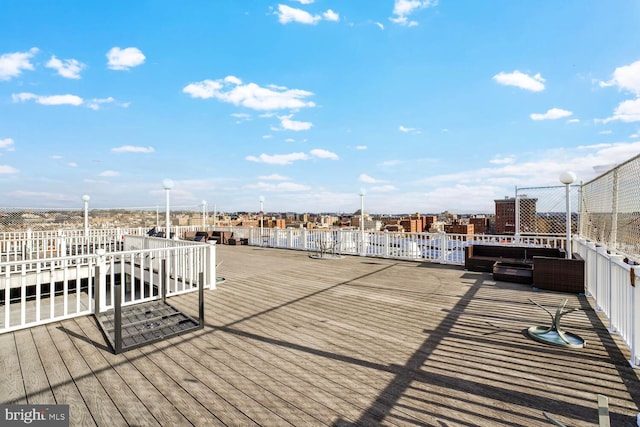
429,106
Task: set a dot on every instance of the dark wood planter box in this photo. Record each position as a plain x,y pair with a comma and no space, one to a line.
559,274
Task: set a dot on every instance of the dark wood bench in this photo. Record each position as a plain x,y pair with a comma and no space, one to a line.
483,257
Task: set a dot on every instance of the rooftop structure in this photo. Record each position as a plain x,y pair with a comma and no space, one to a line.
292,340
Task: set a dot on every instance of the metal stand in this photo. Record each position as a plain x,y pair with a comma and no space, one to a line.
554,334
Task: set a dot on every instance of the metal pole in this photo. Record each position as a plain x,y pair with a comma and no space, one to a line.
517,218
261,217
204,215
201,301
167,231
362,249
568,245
117,318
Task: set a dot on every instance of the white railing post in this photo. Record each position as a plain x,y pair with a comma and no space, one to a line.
101,280
442,237
601,254
615,303
212,264
634,327
304,238
386,242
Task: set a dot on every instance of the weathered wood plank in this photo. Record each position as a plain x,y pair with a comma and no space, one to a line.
12,387
100,404
176,389
131,408
35,379
145,393
62,383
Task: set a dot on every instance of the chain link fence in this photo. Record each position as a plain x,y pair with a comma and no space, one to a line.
611,209
543,210
45,219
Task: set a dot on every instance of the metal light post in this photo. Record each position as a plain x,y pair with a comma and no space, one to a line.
567,178
362,193
167,184
86,199
261,216
204,214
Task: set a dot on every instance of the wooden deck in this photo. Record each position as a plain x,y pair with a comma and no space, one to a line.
291,340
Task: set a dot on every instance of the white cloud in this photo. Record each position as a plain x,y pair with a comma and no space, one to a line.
48,100
56,157
6,170
379,24
109,173
72,164
323,154
274,177
406,129
287,159
403,8
282,186
124,59
361,147
66,99
626,78
304,1
67,68
288,14
278,159
288,124
368,179
635,135
132,149
628,111
232,91
330,15
573,121
523,81
12,64
267,136
289,140
506,160
551,114
605,132
95,103
7,144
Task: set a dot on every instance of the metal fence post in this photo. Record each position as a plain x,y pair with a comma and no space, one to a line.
117,317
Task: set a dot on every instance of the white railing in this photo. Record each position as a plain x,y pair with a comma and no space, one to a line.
610,281
34,292
434,247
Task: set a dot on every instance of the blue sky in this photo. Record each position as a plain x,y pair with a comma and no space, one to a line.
426,105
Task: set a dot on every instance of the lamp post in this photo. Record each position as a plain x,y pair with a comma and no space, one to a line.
167,184
86,199
261,199
204,214
567,178
362,193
